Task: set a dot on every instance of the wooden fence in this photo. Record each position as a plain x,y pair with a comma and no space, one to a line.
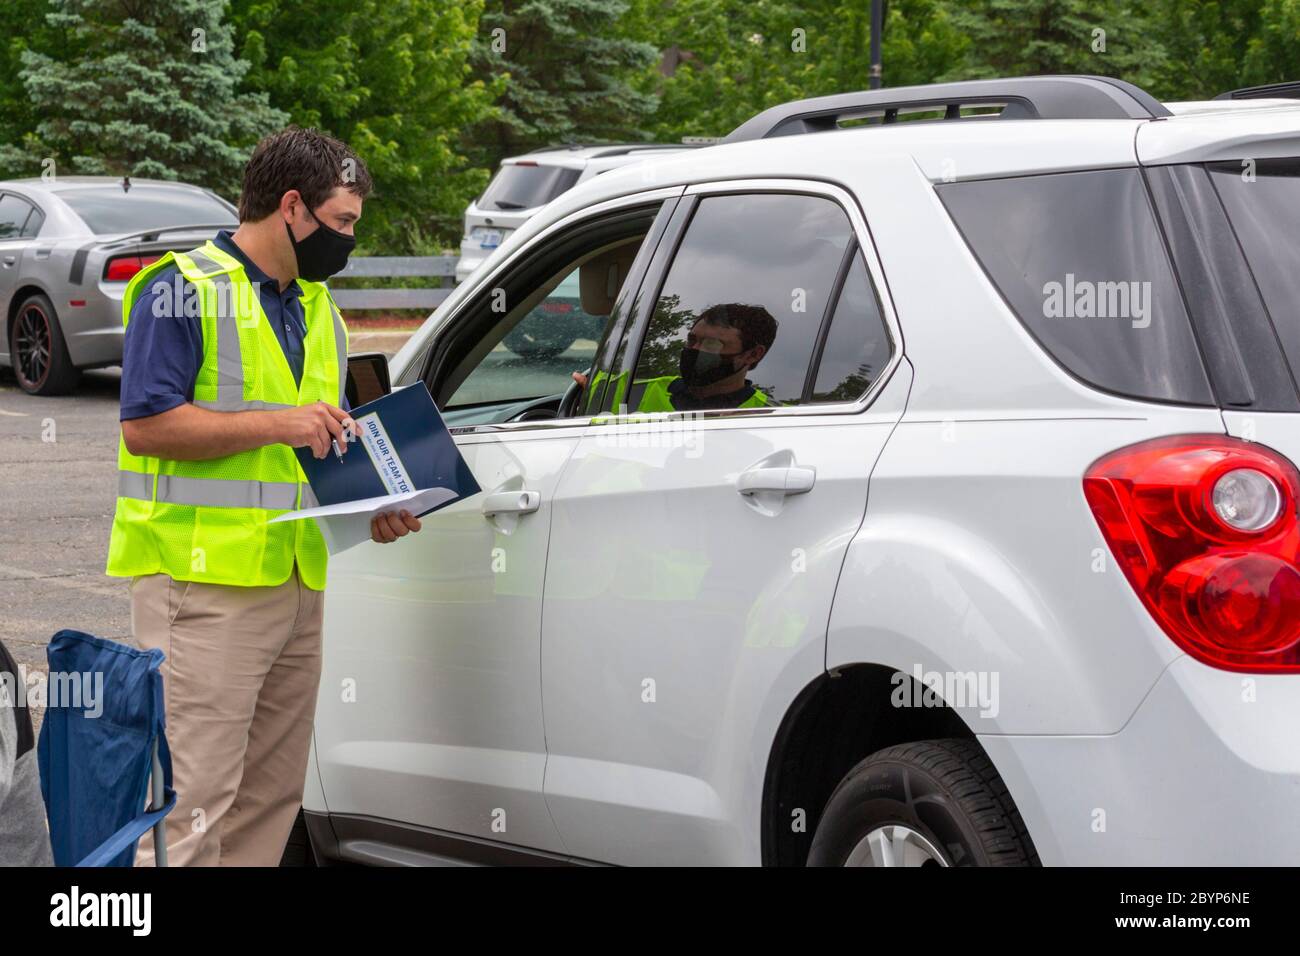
440,268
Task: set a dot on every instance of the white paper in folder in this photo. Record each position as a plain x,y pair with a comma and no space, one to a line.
348,523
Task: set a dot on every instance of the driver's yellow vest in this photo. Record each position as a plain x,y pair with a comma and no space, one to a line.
209,520
656,397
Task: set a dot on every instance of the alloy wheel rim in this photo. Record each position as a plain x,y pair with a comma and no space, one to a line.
32,345
895,845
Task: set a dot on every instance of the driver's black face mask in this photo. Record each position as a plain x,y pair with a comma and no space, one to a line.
704,368
323,253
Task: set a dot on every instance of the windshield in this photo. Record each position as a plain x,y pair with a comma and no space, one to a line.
526,186
110,210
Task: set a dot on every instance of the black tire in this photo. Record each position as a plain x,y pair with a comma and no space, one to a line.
298,851
947,791
37,349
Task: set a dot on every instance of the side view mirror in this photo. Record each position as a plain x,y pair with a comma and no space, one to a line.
367,378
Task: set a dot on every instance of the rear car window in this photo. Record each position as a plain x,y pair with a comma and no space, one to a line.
110,210
526,186
1080,259
1262,205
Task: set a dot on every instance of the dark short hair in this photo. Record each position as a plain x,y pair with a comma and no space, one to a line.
303,159
754,323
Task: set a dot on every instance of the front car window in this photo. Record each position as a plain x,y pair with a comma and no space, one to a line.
545,342
518,359
737,319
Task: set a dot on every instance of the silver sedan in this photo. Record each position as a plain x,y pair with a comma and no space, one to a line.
68,246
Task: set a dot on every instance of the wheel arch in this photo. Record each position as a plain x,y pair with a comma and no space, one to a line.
838,719
28,288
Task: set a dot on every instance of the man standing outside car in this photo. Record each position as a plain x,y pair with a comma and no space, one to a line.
234,355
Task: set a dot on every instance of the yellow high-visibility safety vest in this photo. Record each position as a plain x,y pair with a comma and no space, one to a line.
208,520
656,397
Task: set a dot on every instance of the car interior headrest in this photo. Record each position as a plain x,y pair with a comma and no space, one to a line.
601,276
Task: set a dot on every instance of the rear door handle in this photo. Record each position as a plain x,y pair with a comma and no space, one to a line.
785,481
10,260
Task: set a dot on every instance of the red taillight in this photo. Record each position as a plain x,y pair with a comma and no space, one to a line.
1205,529
122,268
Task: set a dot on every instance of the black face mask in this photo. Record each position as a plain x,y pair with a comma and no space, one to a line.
704,368
323,253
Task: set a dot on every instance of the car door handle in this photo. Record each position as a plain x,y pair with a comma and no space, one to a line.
784,480
10,260
511,503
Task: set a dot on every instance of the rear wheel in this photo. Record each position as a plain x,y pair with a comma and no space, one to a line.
38,351
931,803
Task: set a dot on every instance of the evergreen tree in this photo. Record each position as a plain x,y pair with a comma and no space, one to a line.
1030,37
143,88
571,69
22,27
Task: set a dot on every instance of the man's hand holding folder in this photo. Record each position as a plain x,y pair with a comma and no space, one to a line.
402,463
326,429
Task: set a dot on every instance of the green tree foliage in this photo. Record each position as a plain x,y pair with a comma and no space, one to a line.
725,60
22,27
434,93
571,66
1273,53
1027,37
1225,44
392,79
140,87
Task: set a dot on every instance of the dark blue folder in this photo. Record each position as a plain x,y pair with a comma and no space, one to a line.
412,443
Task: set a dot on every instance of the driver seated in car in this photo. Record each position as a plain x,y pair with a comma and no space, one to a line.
725,342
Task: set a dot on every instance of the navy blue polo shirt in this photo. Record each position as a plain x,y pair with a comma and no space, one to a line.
161,356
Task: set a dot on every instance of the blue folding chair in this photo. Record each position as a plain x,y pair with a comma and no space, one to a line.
101,759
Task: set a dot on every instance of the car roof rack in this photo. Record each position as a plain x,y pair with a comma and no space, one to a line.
1026,97
606,149
1289,90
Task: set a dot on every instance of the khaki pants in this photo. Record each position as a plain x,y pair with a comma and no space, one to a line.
240,682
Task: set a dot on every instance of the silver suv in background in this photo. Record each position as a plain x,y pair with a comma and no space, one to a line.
524,184
68,247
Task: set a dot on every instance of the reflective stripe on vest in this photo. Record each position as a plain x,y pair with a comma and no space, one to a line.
212,492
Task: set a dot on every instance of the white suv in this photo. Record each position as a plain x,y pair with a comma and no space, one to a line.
931,501
524,184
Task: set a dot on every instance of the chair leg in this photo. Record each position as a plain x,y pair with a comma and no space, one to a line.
156,803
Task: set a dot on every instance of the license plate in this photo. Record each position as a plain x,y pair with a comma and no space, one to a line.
487,238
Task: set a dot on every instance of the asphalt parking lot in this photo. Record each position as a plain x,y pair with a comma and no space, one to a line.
58,458
58,462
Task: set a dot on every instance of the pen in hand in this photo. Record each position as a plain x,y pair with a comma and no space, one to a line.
347,437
